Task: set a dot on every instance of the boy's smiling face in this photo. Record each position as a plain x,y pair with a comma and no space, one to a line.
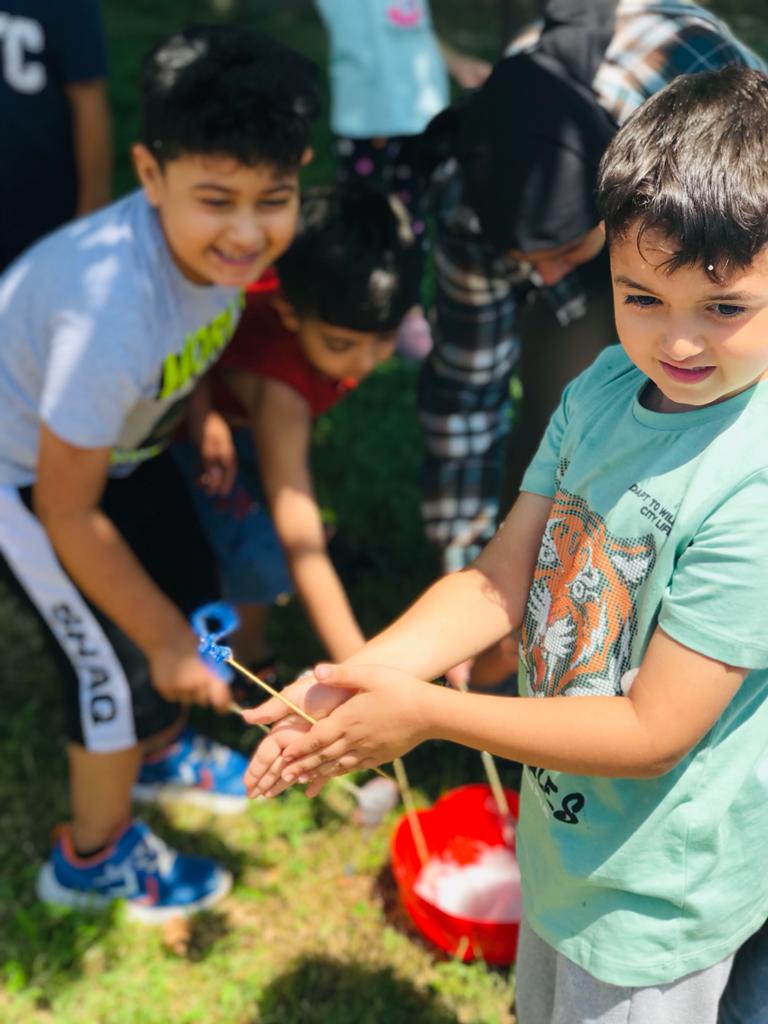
224,222
698,341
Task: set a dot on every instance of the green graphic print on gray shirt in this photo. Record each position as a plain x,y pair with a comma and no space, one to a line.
103,339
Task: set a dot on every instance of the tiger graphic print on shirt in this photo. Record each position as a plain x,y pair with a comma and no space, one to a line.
581,614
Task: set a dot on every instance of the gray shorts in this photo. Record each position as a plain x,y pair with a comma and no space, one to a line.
553,990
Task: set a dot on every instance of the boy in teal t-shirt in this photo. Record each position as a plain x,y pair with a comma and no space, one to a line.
634,563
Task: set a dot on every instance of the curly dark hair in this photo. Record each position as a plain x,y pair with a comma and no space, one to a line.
227,90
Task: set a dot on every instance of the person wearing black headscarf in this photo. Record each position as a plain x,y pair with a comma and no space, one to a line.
522,282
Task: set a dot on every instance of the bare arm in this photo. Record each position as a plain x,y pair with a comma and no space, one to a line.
282,424
91,130
465,612
69,487
675,699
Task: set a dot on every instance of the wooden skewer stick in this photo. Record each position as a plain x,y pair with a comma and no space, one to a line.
280,696
410,810
271,690
492,774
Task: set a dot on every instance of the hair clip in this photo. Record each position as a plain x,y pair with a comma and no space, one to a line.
710,267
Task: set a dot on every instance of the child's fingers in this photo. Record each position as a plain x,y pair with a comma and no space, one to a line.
267,782
265,766
257,768
278,786
316,783
332,767
337,755
324,733
315,787
272,710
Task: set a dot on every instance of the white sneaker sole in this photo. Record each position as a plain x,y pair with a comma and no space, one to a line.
50,890
170,793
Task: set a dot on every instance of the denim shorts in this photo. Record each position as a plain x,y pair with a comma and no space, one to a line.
251,563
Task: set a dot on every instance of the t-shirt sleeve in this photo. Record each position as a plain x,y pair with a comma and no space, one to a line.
88,393
77,41
715,603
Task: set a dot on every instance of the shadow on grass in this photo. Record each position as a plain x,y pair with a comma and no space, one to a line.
320,990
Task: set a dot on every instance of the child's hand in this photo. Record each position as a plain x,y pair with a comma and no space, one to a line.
384,720
179,674
264,771
313,697
263,774
217,455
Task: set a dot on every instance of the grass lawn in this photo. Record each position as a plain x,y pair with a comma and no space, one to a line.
312,933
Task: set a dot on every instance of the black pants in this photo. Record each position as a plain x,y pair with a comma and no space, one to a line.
110,701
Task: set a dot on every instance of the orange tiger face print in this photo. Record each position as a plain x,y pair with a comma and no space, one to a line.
581,613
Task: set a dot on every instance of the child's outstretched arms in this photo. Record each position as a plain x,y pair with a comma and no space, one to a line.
457,617
675,699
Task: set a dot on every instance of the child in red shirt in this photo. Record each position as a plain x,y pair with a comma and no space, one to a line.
305,339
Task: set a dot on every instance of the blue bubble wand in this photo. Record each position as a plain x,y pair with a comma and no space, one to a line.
220,654
216,620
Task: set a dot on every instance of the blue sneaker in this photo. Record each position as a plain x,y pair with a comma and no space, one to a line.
194,770
155,881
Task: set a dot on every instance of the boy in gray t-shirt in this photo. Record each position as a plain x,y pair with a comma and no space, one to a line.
107,326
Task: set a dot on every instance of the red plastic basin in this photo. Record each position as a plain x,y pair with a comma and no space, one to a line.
469,812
